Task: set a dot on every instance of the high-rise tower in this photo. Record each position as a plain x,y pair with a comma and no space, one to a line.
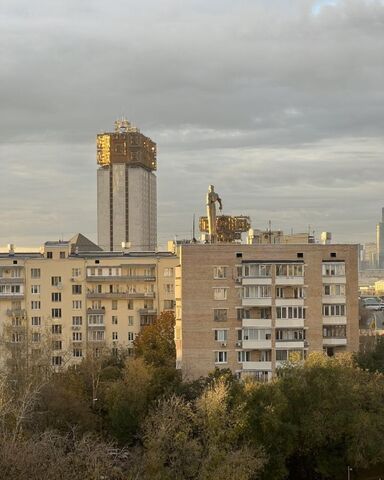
380,241
126,189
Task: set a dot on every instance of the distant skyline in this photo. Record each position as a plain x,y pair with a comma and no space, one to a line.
278,104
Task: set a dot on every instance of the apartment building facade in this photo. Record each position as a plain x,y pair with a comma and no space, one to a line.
68,302
251,308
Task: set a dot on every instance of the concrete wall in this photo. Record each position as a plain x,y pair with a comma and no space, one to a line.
103,208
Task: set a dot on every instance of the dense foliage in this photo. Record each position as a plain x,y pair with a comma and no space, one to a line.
126,418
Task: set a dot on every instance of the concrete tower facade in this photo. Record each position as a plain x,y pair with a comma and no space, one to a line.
126,189
380,241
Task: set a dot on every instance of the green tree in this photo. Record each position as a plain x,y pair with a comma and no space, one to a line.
373,358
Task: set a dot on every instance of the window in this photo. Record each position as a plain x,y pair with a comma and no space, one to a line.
168,272
35,289
131,336
76,272
57,361
36,337
114,320
257,334
221,357
290,335
76,321
55,281
130,304
36,321
220,293
220,272
114,304
35,305
56,297
95,319
77,352
243,356
77,336
290,270
49,255
169,304
76,289
97,336
290,312
220,314
221,335
57,345
56,329
56,312
62,254
76,304
114,336
334,331
336,269
334,310
334,290
257,270
257,291
168,288
17,337
35,272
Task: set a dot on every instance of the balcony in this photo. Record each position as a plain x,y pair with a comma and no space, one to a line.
289,323
16,312
121,278
121,295
257,302
96,311
13,296
289,302
256,281
334,279
257,322
334,320
334,342
264,366
257,344
11,280
329,299
283,280
147,311
290,344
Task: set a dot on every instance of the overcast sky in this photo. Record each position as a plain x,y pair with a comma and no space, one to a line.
278,103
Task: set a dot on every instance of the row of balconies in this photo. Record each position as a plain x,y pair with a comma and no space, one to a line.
289,322
123,295
121,278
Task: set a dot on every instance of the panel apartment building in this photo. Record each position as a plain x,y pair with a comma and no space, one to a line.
251,308
68,300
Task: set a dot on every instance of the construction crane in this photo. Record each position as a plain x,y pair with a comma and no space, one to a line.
222,228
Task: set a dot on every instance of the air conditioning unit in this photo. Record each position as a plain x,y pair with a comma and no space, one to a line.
239,344
224,344
238,280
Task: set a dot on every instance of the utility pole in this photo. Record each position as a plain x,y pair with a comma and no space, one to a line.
349,470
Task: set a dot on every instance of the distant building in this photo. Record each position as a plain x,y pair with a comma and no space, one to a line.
250,308
380,241
126,189
368,256
265,237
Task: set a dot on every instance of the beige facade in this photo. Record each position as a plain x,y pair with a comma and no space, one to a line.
252,307
73,301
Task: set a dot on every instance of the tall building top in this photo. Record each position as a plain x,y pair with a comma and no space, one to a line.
126,145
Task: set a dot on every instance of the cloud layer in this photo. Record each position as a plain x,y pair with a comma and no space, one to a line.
279,106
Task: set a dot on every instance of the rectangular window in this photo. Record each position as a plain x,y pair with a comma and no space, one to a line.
285,334
257,270
95,319
62,254
114,320
56,297
257,291
35,304
36,337
333,269
36,321
131,336
168,288
168,272
334,310
130,304
334,331
290,312
114,304
334,290
77,352
97,336
49,254
55,281
221,335
76,289
169,304
257,334
77,321
35,272
221,357
289,270
220,272
56,312
220,293
76,272
76,304
57,345
35,289
56,329
243,356
77,336
114,336
220,314
57,361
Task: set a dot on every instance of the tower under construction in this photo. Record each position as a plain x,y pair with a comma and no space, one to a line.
126,189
